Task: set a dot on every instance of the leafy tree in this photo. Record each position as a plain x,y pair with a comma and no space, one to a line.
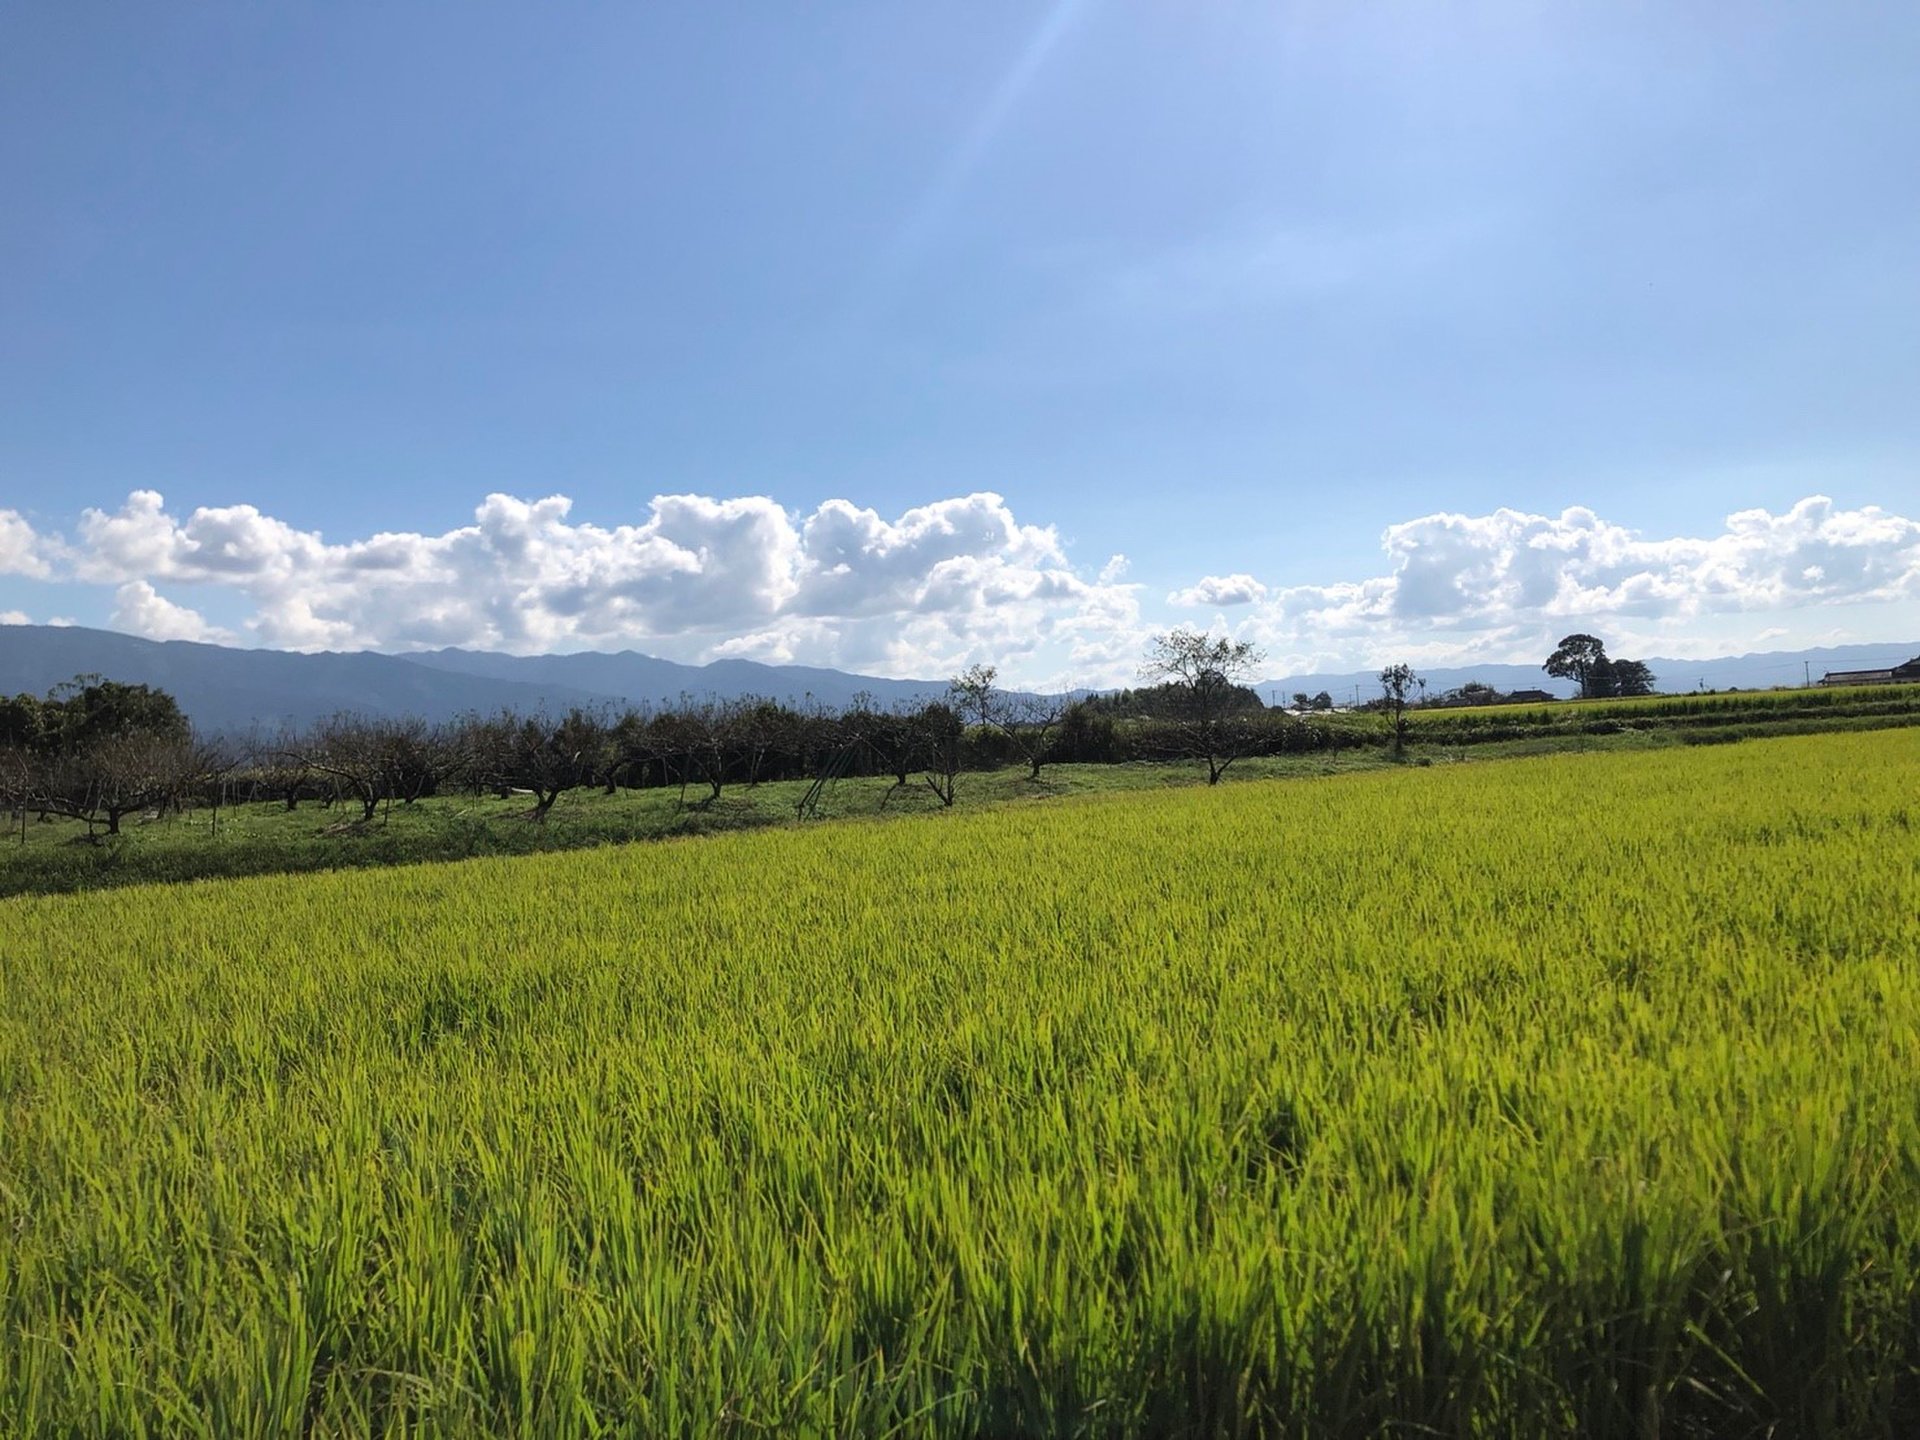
1632,677
1397,683
1086,734
1584,659
87,709
1206,678
23,720
1576,658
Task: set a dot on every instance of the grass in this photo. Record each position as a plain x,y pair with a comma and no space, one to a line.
263,839
1578,1095
266,838
1720,707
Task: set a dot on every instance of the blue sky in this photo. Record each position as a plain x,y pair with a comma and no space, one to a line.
1360,330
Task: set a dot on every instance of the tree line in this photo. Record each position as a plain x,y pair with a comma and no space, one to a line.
97,750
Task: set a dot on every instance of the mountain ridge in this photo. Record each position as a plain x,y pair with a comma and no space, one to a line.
227,689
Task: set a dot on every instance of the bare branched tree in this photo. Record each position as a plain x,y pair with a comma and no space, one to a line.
1207,680
536,754
1027,722
16,784
937,733
116,775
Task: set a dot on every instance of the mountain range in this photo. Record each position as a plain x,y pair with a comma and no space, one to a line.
231,690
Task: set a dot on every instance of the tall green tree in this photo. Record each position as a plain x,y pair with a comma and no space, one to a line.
1576,658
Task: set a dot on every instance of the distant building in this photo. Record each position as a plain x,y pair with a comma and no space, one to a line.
1907,674
1526,697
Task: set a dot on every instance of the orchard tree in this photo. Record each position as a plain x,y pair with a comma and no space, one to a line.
115,776
697,734
350,752
1027,721
937,731
17,769
281,768
1205,680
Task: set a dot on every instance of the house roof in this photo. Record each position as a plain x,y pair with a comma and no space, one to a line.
1908,671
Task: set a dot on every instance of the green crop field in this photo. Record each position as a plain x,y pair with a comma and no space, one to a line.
1568,1095
1745,712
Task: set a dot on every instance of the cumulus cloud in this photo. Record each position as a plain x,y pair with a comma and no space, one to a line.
936,587
20,547
14,617
1486,586
1220,590
699,578
139,609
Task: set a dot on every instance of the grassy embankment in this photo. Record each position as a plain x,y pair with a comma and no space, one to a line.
1578,1095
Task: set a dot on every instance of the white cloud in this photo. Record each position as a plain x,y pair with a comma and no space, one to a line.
14,617
20,547
139,609
1220,590
939,586
1492,586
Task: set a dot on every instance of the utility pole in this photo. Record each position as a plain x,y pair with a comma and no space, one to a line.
1807,665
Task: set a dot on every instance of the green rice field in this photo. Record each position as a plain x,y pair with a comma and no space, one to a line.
1574,1095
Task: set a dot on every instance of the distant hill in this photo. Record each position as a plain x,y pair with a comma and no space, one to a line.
639,678
1733,672
234,690
231,690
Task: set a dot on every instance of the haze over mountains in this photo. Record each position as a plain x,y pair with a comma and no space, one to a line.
233,690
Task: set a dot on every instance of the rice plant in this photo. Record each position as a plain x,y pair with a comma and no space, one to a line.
1577,1095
